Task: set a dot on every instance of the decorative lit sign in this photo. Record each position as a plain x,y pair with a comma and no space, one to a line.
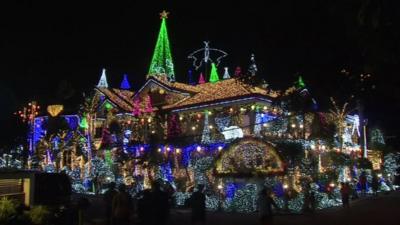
232,132
55,110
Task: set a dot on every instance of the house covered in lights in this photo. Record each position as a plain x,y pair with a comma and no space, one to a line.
234,134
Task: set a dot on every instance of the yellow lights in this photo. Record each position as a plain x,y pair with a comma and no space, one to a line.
323,147
242,109
161,91
153,131
231,110
211,126
54,110
265,108
312,147
193,128
285,186
220,187
149,120
159,150
198,148
209,113
181,118
253,107
178,151
293,125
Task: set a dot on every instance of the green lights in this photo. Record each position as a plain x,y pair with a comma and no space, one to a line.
161,62
84,124
214,74
108,106
300,83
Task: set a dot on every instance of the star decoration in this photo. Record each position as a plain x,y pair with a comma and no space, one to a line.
164,14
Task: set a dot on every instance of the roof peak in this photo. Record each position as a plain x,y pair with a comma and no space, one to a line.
103,79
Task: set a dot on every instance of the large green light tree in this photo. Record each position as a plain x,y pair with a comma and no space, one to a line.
162,63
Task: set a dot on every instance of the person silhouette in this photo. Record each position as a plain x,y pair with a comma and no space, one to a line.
265,203
121,206
160,203
198,205
108,199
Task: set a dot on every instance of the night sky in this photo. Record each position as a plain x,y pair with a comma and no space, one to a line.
53,52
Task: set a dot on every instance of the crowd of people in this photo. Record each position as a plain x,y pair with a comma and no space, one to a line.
152,206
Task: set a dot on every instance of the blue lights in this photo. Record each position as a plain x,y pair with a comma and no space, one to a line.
125,83
39,130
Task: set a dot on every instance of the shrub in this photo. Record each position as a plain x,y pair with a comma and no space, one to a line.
39,215
7,210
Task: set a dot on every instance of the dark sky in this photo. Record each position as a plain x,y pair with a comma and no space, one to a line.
52,51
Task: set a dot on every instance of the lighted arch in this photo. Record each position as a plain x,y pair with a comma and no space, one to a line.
249,157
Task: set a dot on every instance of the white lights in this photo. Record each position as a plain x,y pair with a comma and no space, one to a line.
141,149
178,150
285,186
159,150
168,149
220,148
198,148
293,125
220,187
193,128
211,126
332,185
301,126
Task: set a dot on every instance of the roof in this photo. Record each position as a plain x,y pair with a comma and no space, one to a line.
223,91
121,98
219,91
